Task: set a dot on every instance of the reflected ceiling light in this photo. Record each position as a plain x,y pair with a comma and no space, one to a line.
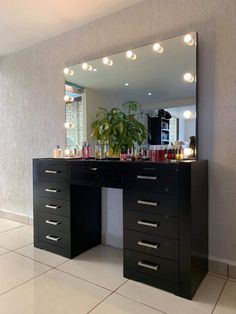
188,39
126,84
68,71
95,70
188,77
68,98
86,67
158,48
149,94
107,61
187,114
69,125
130,55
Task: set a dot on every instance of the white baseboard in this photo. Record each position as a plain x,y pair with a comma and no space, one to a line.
112,240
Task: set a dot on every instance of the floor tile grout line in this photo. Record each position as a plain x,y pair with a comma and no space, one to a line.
95,284
129,298
100,302
8,230
112,292
218,299
35,260
18,248
23,283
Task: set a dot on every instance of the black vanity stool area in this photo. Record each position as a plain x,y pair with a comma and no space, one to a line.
165,215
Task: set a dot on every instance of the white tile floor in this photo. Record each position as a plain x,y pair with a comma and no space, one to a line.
34,281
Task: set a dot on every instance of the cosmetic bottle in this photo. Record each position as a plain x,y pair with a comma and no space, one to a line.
98,150
86,150
57,152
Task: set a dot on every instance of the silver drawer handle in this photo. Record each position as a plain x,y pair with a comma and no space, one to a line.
149,266
148,224
53,238
149,245
52,171
52,222
147,203
146,177
52,206
93,169
52,190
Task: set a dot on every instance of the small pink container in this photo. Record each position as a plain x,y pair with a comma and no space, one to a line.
153,153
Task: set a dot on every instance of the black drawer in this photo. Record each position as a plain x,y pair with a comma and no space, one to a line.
155,203
151,244
157,178
52,170
53,189
85,174
96,174
55,237
52,206
152,266
152,224
54,222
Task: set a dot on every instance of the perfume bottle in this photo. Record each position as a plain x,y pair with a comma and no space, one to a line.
57,152
98,150
86,150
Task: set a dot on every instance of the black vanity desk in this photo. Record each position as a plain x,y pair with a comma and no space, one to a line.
165,216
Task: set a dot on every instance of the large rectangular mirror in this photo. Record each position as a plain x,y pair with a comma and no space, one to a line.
160,77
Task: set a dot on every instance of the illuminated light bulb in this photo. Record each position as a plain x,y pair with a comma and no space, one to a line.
187,114
94,70
149,94
107,61
130,55
69,125
188,39
68,71
67,152
158,48
188,77
188,152
86,67
68,98
126,84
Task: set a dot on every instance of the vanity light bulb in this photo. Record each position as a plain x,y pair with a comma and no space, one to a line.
188,152
68,98
85,66
107,61
188,77
90,68
188,39
69,125
187,114
67,152
130,55
158,48
68,71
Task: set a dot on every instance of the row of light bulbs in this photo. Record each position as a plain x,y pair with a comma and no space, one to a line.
188,39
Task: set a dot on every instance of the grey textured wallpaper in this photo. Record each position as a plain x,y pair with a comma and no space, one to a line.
32,108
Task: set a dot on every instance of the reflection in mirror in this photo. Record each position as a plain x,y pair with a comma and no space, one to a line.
157,76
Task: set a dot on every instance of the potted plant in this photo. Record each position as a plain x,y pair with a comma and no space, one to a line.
119,128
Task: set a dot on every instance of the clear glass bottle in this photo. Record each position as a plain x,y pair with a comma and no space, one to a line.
98,150
106,148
